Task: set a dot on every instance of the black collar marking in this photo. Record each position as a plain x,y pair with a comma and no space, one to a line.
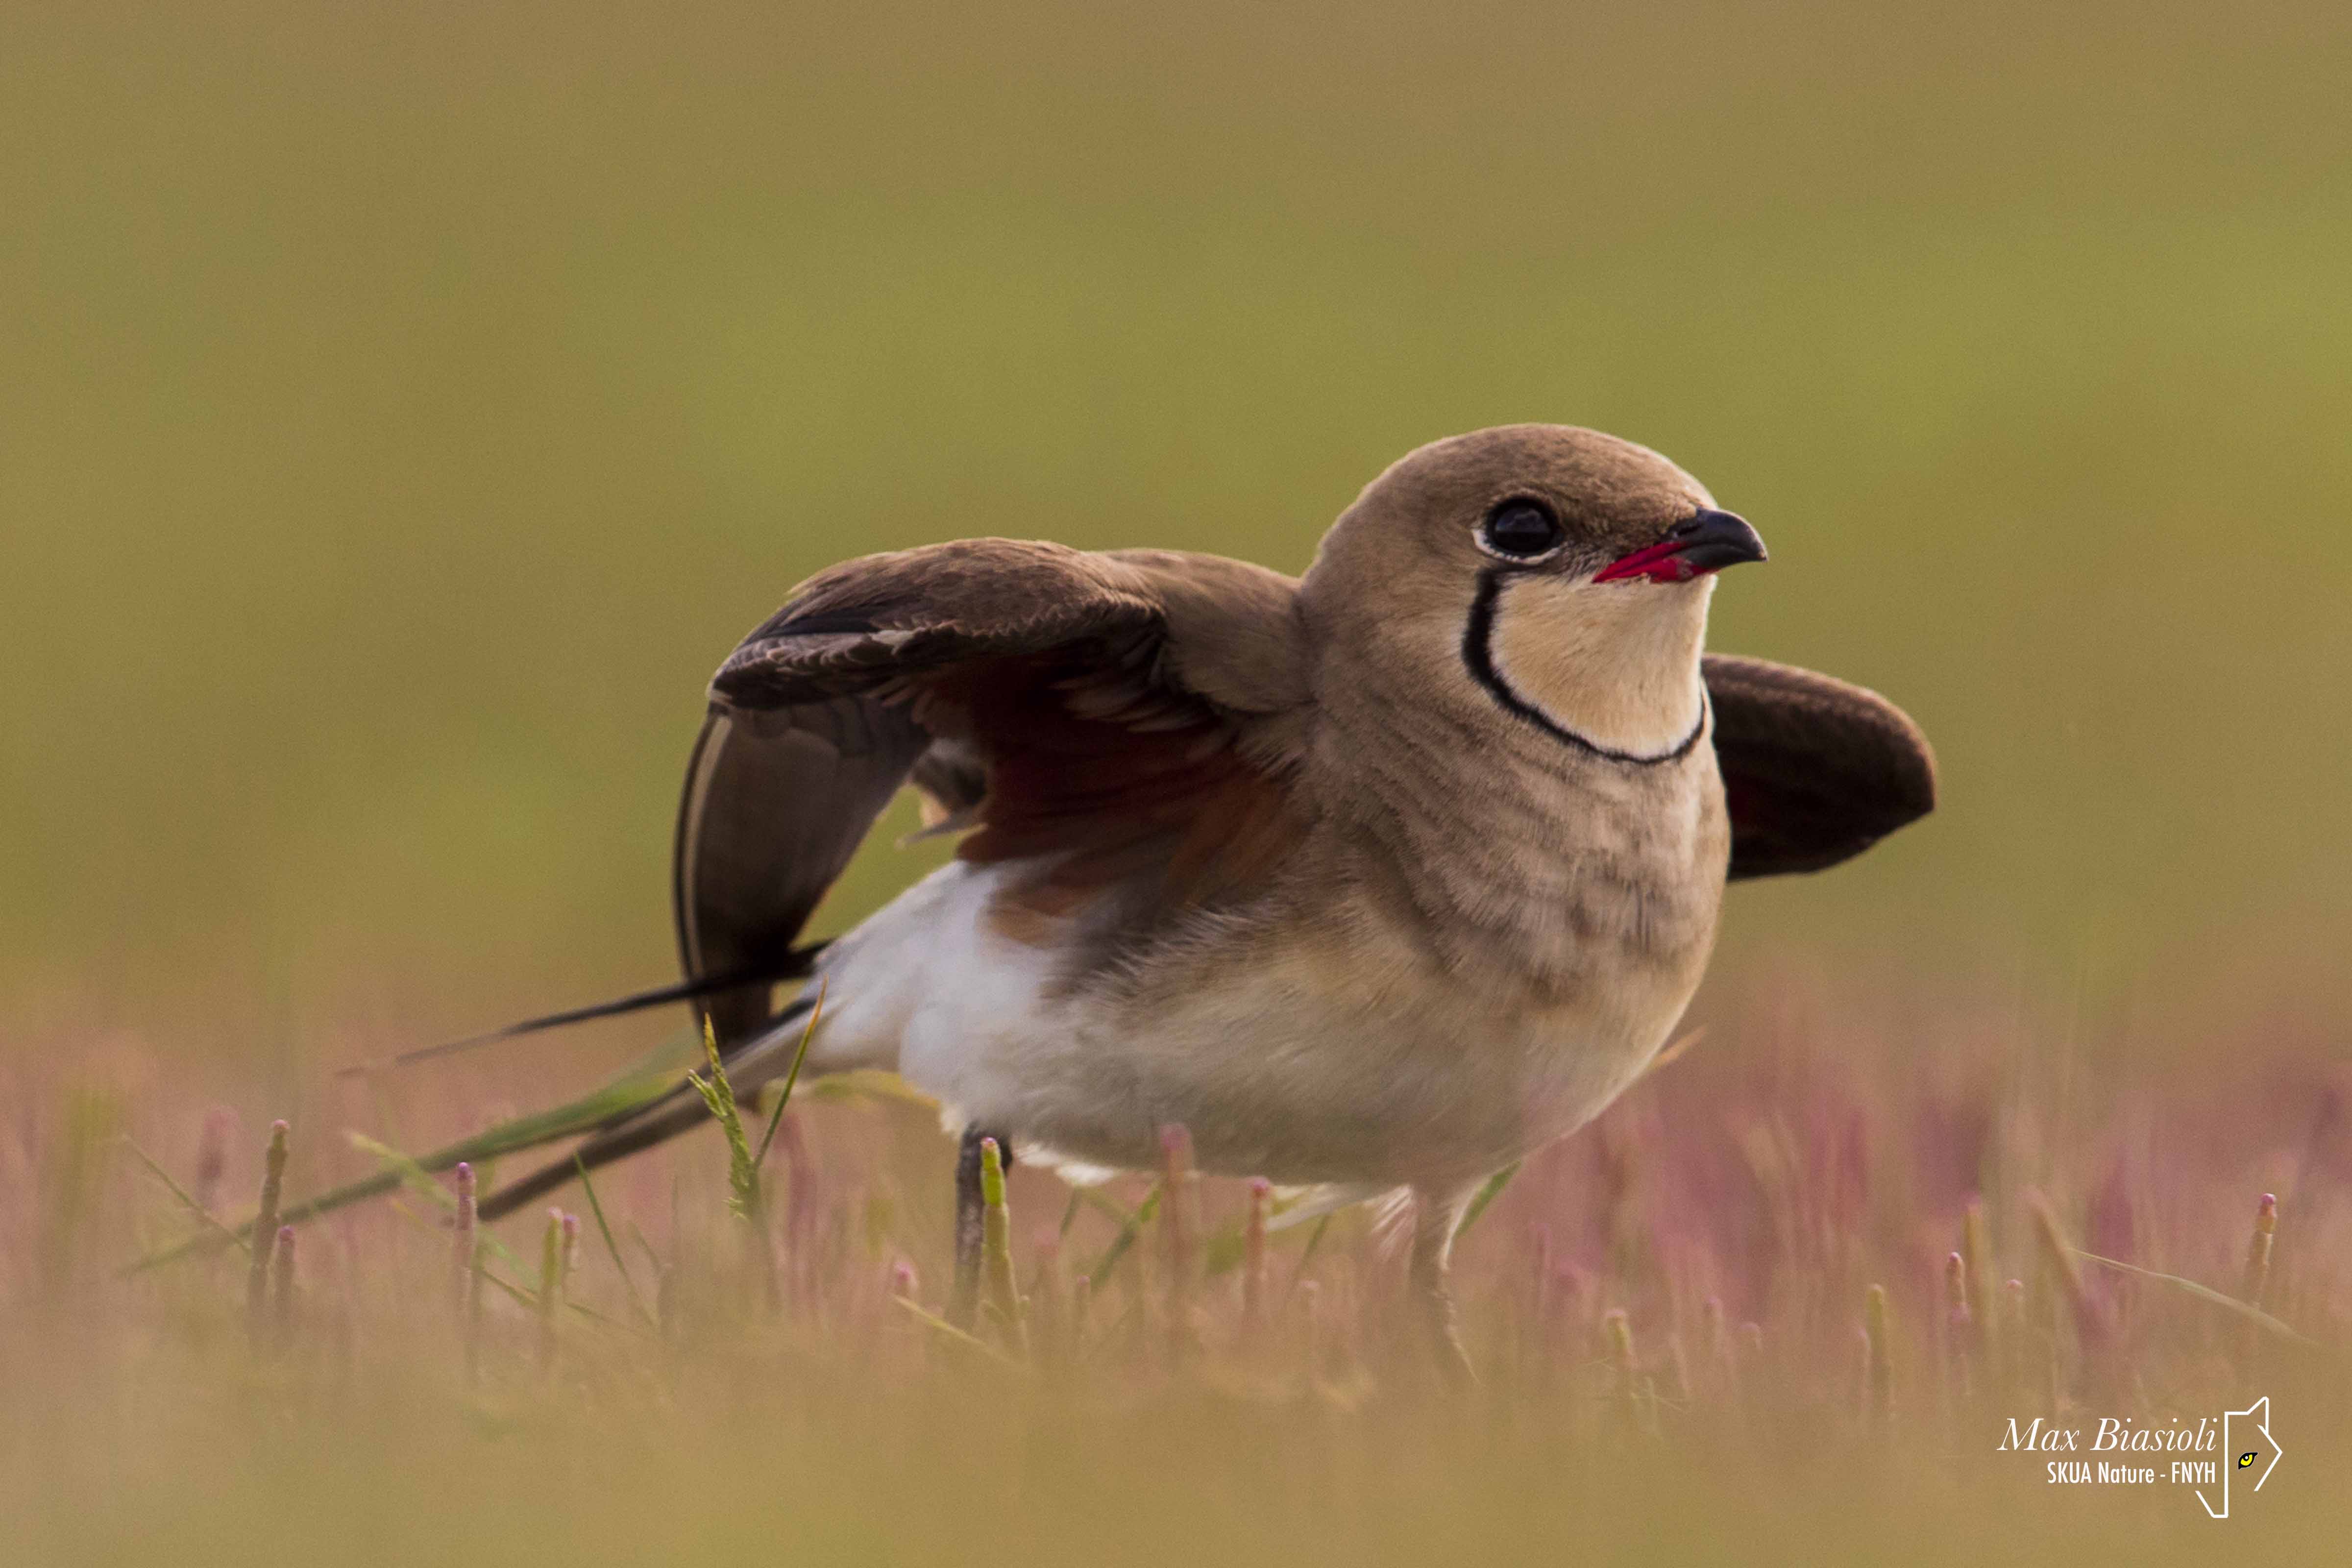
1477,653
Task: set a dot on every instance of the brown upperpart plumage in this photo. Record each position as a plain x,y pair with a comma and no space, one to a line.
1382,875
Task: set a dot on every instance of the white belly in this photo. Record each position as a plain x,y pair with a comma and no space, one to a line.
1349,1070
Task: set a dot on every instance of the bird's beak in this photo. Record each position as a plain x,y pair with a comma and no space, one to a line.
1699,544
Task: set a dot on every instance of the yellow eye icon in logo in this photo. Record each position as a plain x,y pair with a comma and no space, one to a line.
2244,1459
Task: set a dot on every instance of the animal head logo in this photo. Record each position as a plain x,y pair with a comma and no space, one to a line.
2252,1425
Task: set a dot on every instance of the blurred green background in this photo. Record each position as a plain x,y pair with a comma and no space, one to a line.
405,408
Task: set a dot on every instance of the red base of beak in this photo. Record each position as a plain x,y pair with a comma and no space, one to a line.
1660,562
1704,543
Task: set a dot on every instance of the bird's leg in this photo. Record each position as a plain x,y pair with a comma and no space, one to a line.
963,1304
1436,1216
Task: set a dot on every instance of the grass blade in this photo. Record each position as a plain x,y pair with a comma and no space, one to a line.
596,1207
776,1117
1486,1194
2206,1293
947,1331
182,1193
1306,1257
719,1094
266,1226
1131,1228
996,1248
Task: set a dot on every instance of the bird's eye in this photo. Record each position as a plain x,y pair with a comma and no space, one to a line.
1521,528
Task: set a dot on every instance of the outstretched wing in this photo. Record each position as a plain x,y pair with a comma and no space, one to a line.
1815,771
1128,713
1053,699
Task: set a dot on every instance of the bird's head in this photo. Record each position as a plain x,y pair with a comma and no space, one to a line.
1563,572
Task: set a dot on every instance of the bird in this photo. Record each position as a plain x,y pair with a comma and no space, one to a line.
1375,880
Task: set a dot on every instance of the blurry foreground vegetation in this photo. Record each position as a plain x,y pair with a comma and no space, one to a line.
1768,1310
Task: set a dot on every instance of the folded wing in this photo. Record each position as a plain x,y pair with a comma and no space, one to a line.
1815,771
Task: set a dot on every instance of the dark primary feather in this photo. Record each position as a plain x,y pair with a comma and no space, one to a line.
796,964
776,801
1815,771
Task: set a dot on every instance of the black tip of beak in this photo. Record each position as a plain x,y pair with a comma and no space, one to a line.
1710,540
